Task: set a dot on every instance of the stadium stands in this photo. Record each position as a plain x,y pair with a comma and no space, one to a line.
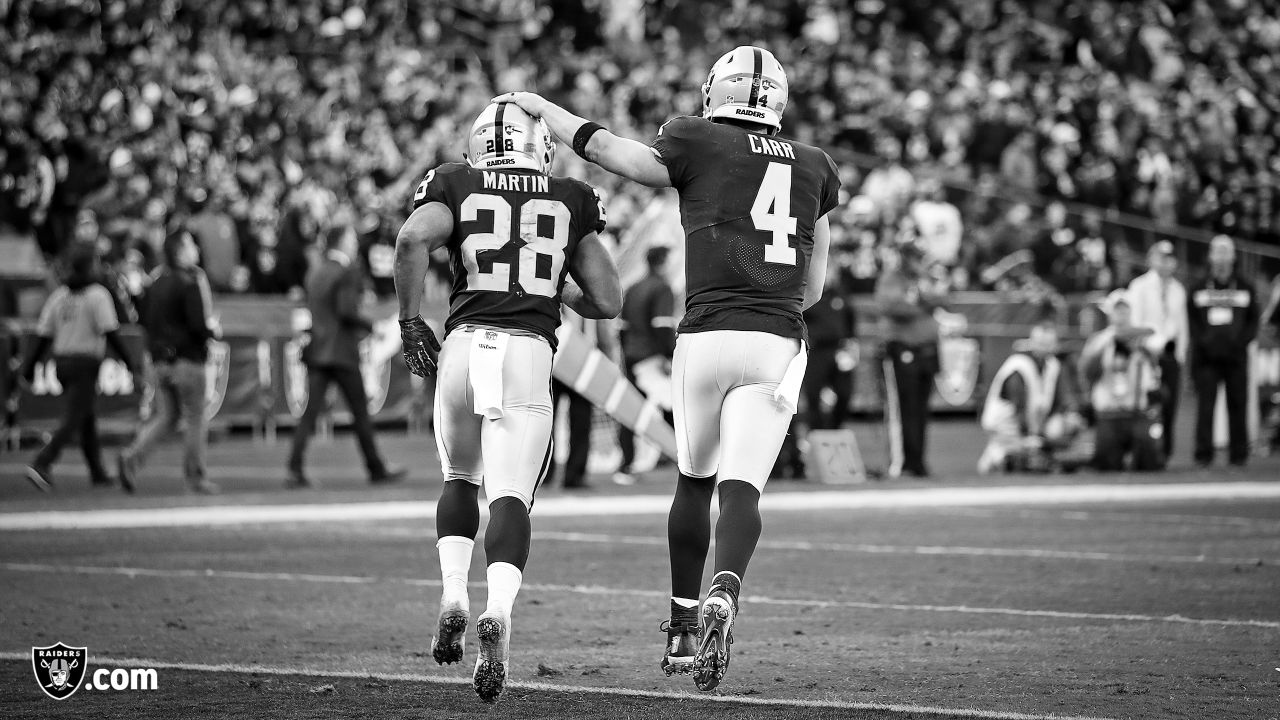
271,115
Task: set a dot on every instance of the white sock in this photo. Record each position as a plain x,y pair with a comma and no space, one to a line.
504,584
684,602
455,566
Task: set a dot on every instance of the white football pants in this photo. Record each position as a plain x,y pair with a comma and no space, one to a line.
509,454
728,421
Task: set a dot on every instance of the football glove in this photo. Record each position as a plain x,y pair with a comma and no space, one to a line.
421,349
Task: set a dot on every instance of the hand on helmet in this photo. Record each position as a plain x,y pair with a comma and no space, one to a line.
531,103
421,349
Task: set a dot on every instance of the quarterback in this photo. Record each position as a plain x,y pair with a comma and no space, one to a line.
513,232
753,205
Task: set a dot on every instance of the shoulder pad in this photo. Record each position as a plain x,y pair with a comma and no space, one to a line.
684,126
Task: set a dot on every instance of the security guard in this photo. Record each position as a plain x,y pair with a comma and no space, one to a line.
1223,312
907,298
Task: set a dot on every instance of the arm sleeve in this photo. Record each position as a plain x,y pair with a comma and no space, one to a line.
672,148
830,188
48,323
193,312
434,187
347,299
591,213
1252,316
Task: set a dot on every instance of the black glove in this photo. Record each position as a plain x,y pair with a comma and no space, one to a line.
420,347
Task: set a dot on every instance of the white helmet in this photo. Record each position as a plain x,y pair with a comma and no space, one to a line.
747,83
505,136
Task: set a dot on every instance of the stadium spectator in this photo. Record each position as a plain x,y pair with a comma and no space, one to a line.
648,340
1120,368
1160,303
1223,311
77,322
178,319
251,103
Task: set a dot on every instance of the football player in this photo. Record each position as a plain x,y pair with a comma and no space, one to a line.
513,232
754,207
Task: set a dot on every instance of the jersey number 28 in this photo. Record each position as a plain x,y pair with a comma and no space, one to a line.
771,213
505,262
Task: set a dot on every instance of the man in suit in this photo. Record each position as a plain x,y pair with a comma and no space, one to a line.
333,355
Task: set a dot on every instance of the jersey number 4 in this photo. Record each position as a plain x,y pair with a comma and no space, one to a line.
493,260
771,213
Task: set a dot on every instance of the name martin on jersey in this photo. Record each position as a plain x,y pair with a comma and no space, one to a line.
517,182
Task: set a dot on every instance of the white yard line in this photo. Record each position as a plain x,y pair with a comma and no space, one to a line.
860,499
632,592
320,673
427,533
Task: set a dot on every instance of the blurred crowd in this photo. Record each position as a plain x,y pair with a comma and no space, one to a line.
1000,137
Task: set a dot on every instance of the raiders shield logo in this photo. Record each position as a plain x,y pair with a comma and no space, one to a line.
59,669
958,364
217,371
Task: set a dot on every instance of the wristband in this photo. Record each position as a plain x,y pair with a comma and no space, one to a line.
582,136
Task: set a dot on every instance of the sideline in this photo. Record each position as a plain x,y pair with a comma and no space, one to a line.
860,499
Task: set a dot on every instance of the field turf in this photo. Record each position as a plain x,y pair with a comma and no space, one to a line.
1015,597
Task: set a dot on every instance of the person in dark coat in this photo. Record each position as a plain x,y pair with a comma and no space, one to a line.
177,317
1223,312
333,355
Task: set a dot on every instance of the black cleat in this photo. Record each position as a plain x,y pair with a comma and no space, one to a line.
490,674
682,640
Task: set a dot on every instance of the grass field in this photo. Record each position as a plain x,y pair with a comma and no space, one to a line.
1069,596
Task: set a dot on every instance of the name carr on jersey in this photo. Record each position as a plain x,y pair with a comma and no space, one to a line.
769,146
516,182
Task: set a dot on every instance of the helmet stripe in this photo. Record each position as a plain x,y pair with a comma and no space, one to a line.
498,130
757,72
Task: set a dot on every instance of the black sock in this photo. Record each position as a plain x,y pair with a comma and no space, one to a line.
738,529
506,539
689,534
456,511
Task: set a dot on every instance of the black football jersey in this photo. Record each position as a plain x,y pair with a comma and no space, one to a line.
513,235
749,203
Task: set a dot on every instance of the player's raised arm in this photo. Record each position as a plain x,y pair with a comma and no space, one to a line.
629,158
817,276
597,294
426,229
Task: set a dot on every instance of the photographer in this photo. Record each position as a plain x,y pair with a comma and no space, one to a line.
1120,367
